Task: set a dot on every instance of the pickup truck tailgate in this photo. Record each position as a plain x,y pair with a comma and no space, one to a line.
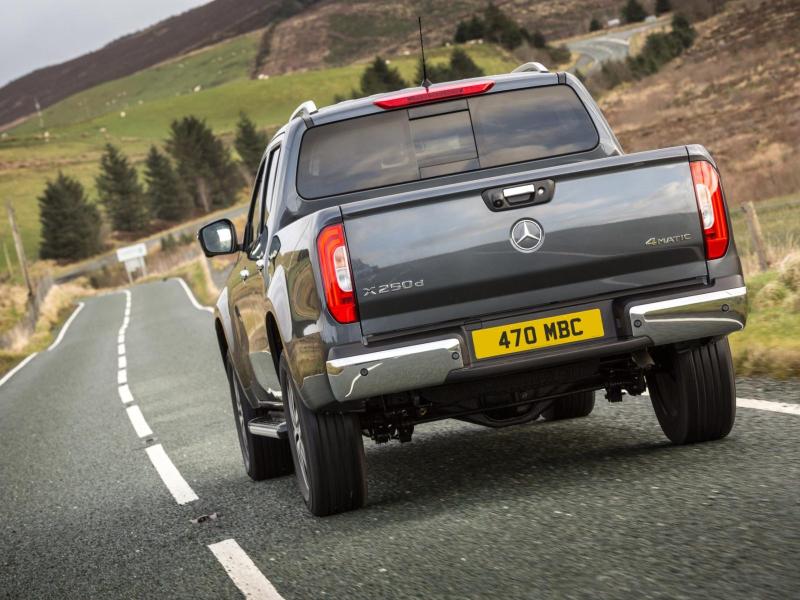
444,256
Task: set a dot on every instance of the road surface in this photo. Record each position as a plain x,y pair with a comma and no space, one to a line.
613,45
119,436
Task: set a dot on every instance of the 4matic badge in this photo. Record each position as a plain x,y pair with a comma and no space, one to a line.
669,239
395,286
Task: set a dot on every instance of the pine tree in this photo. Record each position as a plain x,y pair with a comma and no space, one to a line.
166,196
119,191
380,77
437,73
538,40
250,142
662,6
462,32
683,31
500,28
204,164
462,66
70,225
595,25
633,12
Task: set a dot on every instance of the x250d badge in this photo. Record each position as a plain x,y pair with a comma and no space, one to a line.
395,286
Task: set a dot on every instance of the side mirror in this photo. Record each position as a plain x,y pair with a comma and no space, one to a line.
218,237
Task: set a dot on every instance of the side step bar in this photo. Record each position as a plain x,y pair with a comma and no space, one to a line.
266,427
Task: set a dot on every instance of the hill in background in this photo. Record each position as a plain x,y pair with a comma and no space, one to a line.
196,28
299,35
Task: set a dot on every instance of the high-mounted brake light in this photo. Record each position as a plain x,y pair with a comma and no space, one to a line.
434,94
708,192
336,277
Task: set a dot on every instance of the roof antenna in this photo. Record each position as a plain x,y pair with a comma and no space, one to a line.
426,83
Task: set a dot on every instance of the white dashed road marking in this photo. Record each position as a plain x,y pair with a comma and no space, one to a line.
243,571
125,394
139,424
66,325
170,475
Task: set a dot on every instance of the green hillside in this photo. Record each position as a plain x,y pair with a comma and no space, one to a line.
79,126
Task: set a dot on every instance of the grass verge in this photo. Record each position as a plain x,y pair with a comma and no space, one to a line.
58,305
770,344
196,275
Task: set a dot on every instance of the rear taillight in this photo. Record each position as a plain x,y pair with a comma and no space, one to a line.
336,277
708,192
434,94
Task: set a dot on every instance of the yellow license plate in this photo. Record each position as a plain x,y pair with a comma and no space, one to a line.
538,333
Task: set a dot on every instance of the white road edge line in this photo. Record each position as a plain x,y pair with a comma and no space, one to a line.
122,376
66,325
768,405
139,424
192,299
121,349
125,394
243,571
170,475
11,373
122,362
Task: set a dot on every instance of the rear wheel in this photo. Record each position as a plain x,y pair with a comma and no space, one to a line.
573,406
694,393
328,453
263,457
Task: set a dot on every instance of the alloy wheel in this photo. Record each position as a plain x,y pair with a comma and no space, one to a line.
297,433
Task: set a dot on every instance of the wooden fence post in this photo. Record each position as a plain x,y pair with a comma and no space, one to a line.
754,227
23,265
8,261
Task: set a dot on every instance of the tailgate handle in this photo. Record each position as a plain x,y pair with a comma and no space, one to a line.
520,190
535,192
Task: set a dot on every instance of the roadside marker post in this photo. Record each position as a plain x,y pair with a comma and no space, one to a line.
133,258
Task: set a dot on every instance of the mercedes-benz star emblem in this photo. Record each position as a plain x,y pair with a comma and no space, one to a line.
527,235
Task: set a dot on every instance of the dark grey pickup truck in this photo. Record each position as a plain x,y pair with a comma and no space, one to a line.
481,250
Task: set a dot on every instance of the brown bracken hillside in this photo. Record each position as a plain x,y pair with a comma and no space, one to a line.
736,91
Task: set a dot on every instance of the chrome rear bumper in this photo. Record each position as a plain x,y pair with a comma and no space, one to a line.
395,370
428,364
691,317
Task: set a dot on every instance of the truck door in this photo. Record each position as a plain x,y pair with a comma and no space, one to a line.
259,376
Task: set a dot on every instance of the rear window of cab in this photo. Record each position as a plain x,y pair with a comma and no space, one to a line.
432,140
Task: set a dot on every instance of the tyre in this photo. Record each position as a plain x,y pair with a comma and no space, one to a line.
264,458
573,406
327,451
693,392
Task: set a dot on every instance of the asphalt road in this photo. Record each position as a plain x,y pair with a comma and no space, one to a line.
613,45
601,507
